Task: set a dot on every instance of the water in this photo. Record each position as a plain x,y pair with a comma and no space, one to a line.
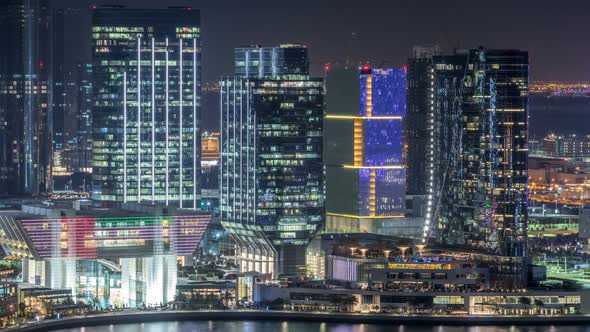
276,326
560,115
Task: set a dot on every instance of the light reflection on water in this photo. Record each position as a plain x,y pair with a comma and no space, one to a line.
284,326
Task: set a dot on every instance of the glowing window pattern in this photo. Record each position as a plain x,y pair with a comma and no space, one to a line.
381,174
86,237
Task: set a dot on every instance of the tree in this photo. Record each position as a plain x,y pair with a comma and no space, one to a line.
350,301
336,301
179,300
21,309
276,303
524,300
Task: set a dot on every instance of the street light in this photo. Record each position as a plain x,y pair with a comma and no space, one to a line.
386,252
364,252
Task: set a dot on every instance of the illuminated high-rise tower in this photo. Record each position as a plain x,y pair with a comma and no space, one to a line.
416,128
25,106
271,189
365,174
477,150
258,62
147,97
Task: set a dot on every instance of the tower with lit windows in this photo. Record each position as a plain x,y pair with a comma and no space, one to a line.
365,174
25,97
146,113
477,161
271,183
416,126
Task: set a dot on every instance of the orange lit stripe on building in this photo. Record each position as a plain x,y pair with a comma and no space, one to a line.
358,146
364,217
418,266
375,167
354,117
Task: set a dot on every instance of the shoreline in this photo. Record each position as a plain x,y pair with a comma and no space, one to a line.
247,315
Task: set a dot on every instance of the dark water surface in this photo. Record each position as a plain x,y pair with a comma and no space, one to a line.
560,115
276,326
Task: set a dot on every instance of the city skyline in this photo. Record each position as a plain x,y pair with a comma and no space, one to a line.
361,162
350,29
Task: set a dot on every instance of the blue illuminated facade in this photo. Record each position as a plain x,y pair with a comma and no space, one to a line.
365,172
383,100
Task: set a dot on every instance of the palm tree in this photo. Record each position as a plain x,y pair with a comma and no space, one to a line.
21,309
179,300
336,301
350,301
524,300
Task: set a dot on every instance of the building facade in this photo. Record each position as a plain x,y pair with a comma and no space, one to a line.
146,113
570,146
210,142
125,256
25,97
477,151
365,172
271,156
72,120
258,62
533,303
416,132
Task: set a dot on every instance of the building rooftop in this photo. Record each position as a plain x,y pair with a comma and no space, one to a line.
83,208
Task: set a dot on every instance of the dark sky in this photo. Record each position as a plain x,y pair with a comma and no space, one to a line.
554,32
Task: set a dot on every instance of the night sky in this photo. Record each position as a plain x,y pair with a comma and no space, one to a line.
554,32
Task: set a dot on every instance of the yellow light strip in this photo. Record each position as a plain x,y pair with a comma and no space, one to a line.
359,146
375,167
354,117
363,217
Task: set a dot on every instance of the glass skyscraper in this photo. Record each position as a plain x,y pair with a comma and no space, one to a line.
416,129
477,152
25,105
271,156
365,174
285,61
147,97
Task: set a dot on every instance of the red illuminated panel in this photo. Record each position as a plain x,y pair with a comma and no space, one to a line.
81,240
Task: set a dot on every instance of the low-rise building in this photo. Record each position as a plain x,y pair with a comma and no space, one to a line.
415,273
530,302
44,301
125,256
567,146
202,294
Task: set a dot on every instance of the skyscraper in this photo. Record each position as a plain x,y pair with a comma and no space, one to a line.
271,62
83,139
25,105
416,131
66,76
365,174
147,96
73,137
271,157
477,152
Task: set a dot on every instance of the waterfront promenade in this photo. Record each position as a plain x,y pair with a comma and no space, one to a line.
126,317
